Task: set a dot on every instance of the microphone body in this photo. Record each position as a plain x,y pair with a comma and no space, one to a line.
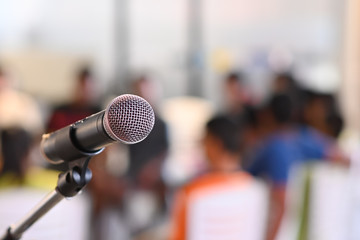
128,119
86,137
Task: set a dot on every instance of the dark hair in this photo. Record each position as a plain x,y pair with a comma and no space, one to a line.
334,119
227,131
84,73
15,145
289,78
281,107
237,77
335,124
250,118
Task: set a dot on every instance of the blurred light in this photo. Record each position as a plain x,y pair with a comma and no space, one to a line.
323,77
222,60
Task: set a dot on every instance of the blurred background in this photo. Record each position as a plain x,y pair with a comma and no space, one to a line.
188,45
177,55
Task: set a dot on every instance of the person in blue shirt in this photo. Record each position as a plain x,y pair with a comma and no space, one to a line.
275,155
285,144
279,148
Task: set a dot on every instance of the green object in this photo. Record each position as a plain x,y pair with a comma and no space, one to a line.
304,219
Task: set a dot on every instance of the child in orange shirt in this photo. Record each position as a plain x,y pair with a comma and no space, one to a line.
225,203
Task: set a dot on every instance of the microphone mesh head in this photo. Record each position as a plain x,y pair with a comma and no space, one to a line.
129,118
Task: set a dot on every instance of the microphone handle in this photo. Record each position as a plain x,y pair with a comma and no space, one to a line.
86,137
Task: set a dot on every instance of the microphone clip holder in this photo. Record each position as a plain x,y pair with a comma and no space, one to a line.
72,181
69,184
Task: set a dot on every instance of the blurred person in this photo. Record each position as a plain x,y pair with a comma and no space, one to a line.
236,97
146,159
275,156
106,189
80,106
18,109
317,117
285,145
239,108
149,154
129,203
225,202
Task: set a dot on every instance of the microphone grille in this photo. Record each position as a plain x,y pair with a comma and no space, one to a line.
129,118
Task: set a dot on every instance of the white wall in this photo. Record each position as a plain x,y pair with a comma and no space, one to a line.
237,33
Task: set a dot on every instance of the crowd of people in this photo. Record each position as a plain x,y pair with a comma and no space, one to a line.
250,148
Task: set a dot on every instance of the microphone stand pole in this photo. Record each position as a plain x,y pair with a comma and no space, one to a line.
69,184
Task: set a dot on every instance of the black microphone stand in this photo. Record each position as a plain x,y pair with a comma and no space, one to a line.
69,184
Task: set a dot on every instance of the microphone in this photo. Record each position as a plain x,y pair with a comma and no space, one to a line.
128,119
